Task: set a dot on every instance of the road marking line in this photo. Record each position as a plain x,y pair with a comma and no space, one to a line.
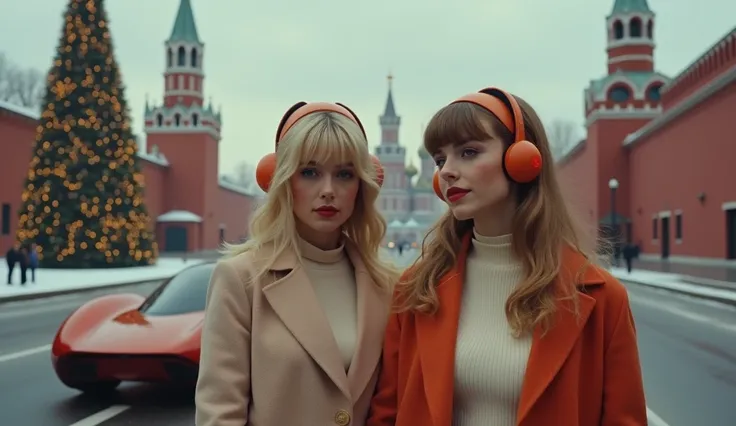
692,316
27,352
40,310
104,415
654,420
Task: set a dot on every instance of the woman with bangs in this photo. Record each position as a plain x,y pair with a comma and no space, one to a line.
295,316
505,319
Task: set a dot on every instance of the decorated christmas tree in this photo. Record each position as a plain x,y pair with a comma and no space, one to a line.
83,201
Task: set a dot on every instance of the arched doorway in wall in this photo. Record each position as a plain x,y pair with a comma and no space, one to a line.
180,231
176,238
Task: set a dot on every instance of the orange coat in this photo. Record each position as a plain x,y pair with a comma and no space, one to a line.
584,372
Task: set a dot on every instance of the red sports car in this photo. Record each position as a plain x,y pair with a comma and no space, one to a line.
126,337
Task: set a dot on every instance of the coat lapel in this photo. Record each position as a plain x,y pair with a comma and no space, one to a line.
293,299
437,336
373,310
549,351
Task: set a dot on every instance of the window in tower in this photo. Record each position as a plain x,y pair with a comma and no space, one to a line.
618,30
635,28
653,93
159,120
195,120
181,57
194,58
177,119
170,57
619,94
650,29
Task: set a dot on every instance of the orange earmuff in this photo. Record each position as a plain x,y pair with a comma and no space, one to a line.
436,185
522,160
379,170
267,166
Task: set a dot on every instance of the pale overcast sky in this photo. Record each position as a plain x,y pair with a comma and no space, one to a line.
262,56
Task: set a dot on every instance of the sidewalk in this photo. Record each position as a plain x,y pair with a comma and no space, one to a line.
59,281
51,282
708,289
718,276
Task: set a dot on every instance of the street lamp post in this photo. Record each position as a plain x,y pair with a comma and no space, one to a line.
613,186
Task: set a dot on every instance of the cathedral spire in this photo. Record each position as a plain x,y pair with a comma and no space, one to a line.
390,110
390,121
185,29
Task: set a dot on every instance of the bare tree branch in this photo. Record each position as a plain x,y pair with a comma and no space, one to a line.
5,70
563,135
244,175
26,87
21,86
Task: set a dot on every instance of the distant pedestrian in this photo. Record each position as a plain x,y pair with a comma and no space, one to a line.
630,252
11,257
23,263
33,261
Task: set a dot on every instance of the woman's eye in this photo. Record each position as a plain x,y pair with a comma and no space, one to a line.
308,172
345,174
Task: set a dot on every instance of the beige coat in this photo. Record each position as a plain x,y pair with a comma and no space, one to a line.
269,357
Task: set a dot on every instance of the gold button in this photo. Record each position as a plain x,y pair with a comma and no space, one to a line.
342,418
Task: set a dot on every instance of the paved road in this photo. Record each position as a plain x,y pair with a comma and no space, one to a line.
724,274
31,394
688,352
688,355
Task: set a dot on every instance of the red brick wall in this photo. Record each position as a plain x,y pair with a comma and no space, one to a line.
234,213
155,184
17,134
693,154
577,177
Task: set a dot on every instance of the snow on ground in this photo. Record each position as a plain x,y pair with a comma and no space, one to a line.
52,280
673,282
662,280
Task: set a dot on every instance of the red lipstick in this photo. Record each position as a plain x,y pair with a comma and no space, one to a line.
327,211
454,193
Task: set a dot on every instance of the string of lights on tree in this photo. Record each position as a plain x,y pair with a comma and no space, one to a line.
83,201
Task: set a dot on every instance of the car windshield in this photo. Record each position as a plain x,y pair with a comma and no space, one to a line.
185,292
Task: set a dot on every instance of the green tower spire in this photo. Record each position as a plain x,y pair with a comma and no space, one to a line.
184,27
621,7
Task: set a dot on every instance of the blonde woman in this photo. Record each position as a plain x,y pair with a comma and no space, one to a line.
295,316
504,320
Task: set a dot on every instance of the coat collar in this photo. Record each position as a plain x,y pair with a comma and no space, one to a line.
437,335
293,299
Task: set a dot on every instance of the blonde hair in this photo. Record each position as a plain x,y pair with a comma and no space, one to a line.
541,227
323,136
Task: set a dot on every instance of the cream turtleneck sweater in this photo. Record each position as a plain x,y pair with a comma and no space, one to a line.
333,279
489,362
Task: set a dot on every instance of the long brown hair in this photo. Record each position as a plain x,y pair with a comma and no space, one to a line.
542,224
